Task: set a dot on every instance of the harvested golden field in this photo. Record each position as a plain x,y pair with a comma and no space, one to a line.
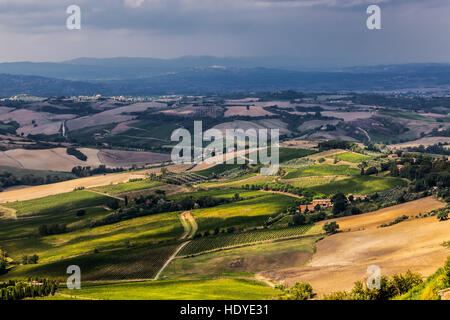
57,159
386,215
343,258
89,182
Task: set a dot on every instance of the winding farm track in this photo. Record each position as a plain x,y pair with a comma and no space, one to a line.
189,224
190,228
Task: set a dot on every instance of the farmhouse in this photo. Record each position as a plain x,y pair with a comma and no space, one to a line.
323,203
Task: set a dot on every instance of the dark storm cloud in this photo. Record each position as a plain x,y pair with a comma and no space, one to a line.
315,30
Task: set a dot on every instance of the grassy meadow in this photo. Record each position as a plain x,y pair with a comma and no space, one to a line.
215,289
59,203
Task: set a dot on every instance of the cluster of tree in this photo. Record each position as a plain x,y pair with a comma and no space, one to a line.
300,291
46,230
434,149
331,227
335,144
216,231
33,259
442,215
3,262
388,288
18,290
9,127
369,171
80,171
423,171
397,220
76,153
8,179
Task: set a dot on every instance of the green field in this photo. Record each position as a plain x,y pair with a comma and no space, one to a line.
360,185
127,263
242,214
218,289
229,240
128,186
60,202
323,170
219,193
20,228
351,157
149,229
308,182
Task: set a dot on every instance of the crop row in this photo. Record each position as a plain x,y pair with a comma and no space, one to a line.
221,241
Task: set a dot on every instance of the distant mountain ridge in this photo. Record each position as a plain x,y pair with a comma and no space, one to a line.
198,75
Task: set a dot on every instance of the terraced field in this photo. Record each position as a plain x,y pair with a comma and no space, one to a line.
233,240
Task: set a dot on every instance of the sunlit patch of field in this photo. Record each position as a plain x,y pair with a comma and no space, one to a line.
142,230
322,170
60,202
359,185
351,157
246,213
217,289
128,186
308,182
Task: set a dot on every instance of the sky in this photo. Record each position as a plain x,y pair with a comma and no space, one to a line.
319,32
